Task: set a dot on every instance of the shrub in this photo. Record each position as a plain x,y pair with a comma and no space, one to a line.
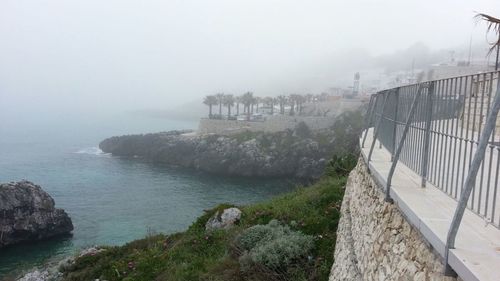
261,234
302,130
340,166
253,235
273,245
282,251
346,131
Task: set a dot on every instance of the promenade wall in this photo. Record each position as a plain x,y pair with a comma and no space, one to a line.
376,242
271,124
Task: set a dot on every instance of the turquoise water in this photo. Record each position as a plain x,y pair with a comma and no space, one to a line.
111,200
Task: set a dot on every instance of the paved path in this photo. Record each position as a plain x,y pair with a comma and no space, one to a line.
449,161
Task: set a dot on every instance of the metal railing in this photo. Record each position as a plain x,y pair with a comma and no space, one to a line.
448,132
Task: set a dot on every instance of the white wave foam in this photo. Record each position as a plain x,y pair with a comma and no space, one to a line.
92,151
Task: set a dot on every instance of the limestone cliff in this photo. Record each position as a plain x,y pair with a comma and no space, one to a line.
260,155
300,153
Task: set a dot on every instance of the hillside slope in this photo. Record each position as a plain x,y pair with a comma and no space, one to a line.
310,213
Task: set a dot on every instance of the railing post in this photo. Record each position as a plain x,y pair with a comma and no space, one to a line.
377,128
471,178
396,97
368,110
401,143
427,137
371,108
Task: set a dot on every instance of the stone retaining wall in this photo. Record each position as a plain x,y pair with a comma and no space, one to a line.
375,242
271,124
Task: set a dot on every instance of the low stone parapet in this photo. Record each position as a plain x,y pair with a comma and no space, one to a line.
272,124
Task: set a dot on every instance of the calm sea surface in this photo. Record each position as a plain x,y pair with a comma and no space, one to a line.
111,200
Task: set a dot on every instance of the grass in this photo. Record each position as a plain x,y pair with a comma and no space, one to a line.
199,255
212,256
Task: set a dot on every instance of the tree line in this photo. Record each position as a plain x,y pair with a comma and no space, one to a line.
250,103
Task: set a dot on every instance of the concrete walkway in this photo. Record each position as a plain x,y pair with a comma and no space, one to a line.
477,253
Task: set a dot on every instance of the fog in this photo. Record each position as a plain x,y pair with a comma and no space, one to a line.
119,55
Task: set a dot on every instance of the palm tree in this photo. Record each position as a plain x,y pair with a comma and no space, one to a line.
247,100
309,97
255,101
275,101
300,99
258,100
210,100
237,100
292,99
282,101
493,24
269,101
228,101
220,99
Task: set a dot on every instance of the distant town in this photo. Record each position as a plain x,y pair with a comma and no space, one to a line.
334,100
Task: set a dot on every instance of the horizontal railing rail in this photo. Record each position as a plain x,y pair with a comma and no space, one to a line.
435,128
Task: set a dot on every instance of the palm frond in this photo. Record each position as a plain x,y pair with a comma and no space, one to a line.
493,24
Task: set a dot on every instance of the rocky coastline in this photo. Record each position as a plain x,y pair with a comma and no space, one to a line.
53,271
300,153
28,213
260,155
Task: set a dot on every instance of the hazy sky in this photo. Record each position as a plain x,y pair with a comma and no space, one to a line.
95,55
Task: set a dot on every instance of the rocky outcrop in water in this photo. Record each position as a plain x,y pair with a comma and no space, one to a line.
296,153
27,213
253,155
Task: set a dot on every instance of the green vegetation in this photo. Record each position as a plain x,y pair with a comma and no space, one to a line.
263,246
290,237
247,135
302,130
340,139
273,246
345,132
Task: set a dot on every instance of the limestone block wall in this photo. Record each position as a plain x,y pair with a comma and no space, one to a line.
375,242
271,124
333,107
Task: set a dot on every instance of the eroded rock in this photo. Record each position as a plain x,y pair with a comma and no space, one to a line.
265,155
226,220
27,213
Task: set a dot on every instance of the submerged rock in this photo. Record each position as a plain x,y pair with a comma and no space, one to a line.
27,213
226,220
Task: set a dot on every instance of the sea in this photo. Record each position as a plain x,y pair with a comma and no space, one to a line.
111,200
